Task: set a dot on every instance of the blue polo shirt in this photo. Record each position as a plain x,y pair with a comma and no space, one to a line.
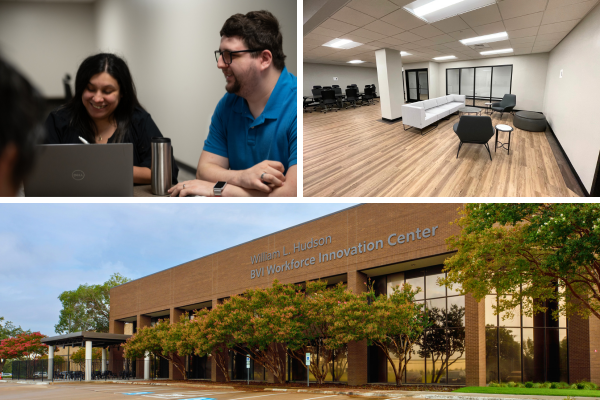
245,141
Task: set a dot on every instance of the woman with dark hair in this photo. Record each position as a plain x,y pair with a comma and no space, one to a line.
105,109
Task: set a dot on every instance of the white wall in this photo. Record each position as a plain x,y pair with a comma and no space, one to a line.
169,46
47,40
571,102
528,78
322,74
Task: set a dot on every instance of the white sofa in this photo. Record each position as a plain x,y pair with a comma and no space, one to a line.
424,113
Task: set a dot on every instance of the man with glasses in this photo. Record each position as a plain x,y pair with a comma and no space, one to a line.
251,145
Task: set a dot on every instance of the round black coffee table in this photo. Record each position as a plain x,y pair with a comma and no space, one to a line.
469,110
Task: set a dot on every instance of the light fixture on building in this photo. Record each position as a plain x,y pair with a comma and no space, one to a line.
342,44
403,53
356,62
437,10
486,53
496,37
444,58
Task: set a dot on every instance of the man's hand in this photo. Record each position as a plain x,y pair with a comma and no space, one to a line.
271,173
195,187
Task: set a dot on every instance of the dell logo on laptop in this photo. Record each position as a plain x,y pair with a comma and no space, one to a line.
78,175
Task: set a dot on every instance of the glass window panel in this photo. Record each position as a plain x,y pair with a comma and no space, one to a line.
391,377
455,339
516,318
527,321
454,291
510,354
491,355
456,312
467,80
415,283
433,289
436,370
457,371
556,355
394,280
563,356
437,312
483,82
417,352
412,85
452,79
490,318
340,366
501,81
415,372
423,86
533,355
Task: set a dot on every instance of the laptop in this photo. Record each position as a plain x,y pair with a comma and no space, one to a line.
82,170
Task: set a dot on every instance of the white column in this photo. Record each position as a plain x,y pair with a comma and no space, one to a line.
103,368
51,362
389,76
147,367
88,360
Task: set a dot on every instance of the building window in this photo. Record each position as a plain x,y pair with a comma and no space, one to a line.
439,356
480,85
524,349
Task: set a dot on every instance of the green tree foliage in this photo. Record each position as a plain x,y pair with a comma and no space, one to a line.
78,357
550,250
8,330
394,323
87,308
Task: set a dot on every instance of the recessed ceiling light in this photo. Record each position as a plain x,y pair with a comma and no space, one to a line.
485,53
444,58
356,62
403,53
437,10
342,44
496,37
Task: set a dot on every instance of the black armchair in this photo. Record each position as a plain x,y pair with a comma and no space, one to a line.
328,99
352,96
368,95
474,129
509,101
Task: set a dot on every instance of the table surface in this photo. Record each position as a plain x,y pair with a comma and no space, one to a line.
503,127
144,191
470,109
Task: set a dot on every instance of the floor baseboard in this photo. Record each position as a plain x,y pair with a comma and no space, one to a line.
569,174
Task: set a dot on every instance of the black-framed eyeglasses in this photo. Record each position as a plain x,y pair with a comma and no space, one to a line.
226,54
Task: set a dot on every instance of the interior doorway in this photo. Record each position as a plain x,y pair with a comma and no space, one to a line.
417,84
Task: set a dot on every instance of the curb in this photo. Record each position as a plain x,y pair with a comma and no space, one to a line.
148,384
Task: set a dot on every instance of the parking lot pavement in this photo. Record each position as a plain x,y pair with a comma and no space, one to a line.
130,392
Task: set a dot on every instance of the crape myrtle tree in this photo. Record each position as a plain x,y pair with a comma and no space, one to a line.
25,346
546,252
393,323
164,340
209,339
78,357
8,330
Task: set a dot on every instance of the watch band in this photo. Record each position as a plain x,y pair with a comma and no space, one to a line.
218,191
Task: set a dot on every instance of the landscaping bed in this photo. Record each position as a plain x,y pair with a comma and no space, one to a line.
581,389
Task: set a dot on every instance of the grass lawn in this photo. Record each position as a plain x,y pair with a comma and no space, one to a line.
530,391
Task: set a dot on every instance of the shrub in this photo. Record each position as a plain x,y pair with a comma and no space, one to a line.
546,385
581,385
511,384
520,385
573,386
554,385
529,384
537,385
493,384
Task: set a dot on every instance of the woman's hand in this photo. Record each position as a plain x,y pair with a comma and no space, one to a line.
195,187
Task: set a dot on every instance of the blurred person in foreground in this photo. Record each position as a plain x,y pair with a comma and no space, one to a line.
251,145
21,128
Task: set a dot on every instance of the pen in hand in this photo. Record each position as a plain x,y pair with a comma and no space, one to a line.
83,140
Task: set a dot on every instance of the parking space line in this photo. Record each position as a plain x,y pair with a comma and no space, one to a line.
264,395
322,397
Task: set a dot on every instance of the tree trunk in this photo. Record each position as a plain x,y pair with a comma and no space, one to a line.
219,359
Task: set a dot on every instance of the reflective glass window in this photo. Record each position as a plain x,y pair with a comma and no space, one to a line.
490,318
433,289
452,76
513,321
491,355
533,355
417,282
394,280
456,312
415,372
457,372
437,312
510,354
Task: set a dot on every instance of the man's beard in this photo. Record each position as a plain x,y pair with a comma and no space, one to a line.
235,88
245,85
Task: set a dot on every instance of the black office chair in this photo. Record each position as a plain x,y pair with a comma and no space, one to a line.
317,96
339,96
367,96
67,86
308,103
328,100
474,129
509,101
375,95
351,97
335,86
316,87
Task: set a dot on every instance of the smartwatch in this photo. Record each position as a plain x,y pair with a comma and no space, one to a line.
218,188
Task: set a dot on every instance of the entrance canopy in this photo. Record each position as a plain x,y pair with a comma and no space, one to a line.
79,338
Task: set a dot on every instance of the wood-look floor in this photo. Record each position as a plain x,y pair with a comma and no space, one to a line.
353,152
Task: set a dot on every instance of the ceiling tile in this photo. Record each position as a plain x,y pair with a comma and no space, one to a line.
488,29
482,16
403,20
456,45
393,41
374,8
319,38
427,31
368,34
358,50
522,46
452,24
519,33
558,27
441,39
327,32
411,46
351,16
379,45
518,8
529,39
522,51
551,36
526,21
425,42
546,43
338,26
503,44
574,11
356,38
383,28
562,3
307,46
315,43
541,49
401,3
408,37
320,52
463,34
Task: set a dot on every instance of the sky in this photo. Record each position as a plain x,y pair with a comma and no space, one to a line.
46,249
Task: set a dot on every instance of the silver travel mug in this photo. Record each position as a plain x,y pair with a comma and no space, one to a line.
161,165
